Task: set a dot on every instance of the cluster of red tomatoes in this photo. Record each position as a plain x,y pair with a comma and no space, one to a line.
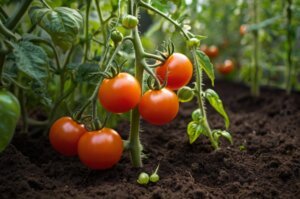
103,148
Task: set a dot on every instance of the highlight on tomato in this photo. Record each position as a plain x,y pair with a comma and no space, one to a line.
159,107
226,68
65,134
120,93
100,149
178,69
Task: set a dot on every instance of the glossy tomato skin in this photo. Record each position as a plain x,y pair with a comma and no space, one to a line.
226,68
120,94
159,107
65,134
179,71
100,149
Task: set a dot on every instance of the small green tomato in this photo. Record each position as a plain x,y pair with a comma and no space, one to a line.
143,178
116,36
193,42
130,21
154,177
185,94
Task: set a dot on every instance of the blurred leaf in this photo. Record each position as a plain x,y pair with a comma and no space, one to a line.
206,65
63,24
263,24
217,104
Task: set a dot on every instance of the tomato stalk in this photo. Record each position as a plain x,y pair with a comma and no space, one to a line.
290,69
201,104
134,138
255,68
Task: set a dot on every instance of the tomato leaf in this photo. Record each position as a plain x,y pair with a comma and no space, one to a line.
217,104
31,60
87,72
218,133
194,130
206,65
62,24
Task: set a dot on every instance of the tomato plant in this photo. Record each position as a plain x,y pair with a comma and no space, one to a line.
120,93
64,135
159,106
177,70
100,149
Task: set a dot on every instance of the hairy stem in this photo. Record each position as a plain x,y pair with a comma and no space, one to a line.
201,100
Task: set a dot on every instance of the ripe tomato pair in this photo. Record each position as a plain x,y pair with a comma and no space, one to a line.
97,149
226,68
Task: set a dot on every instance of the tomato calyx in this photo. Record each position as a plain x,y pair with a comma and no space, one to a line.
114,70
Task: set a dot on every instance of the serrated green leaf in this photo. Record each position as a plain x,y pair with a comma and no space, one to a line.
62,24
31,60
194,130
217,104
218,133
197,115
206,65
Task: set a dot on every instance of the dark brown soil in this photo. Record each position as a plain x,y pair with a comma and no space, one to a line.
269,167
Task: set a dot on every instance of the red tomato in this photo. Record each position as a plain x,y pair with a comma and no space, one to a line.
65,134
120,94
179,70
243,29
159,106
213,51
100,149
204,48
226,68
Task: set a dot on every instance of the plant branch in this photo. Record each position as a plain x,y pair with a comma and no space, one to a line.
12,22
86,30
175,23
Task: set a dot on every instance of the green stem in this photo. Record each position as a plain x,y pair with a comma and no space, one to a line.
201,104
12,22
289,68
102,22
134,138
6,32
255,67
46,4
86,30
176,24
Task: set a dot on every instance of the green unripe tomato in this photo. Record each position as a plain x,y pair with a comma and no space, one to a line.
154,178
9,115
193,42
143,178
185,94
197,115
116,36
130,21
